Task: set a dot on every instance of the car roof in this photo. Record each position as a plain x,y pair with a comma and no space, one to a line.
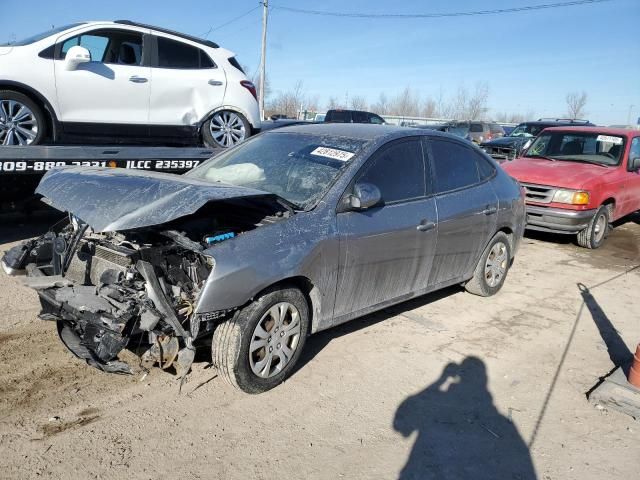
558,122
621,132
356,131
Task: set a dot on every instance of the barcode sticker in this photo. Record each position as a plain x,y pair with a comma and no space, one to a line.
609,139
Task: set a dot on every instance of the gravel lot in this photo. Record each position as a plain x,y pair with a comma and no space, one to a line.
445,386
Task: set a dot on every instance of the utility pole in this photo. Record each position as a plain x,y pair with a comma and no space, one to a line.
263,57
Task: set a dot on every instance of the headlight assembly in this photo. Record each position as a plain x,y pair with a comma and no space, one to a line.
571,197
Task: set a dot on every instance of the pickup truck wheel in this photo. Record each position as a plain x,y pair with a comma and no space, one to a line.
258,348
594,235
21,120
225,129
492,268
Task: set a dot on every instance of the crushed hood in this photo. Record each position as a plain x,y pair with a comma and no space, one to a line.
117,199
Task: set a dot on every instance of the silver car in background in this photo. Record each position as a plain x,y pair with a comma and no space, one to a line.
292,232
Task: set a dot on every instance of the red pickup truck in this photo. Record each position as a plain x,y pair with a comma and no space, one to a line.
580,179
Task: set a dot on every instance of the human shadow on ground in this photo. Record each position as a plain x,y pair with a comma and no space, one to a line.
460,433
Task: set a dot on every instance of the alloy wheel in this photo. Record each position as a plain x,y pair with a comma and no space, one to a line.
495,267
18,124
274,340
227,129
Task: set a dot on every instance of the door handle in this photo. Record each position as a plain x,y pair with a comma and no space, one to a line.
215,83
489,210
425,226
137,79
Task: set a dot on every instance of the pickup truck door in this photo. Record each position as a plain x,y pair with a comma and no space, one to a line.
631,202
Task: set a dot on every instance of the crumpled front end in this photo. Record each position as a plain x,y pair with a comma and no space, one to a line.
135,290
109,291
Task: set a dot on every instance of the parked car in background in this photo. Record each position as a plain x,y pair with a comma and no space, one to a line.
507,129
512,145
123,82
580,179
294,231
479,132
352,116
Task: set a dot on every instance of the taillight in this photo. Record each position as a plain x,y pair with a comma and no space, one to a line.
251,87
489,136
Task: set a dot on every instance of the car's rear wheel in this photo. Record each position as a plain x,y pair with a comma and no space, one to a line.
596,232
258,348
22,121
492,268
225,129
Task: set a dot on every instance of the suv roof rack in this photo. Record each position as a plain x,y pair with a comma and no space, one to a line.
201,41
568,120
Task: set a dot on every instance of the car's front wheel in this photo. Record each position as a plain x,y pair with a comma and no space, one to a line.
258,348
594,235
225,129
492,268
22,121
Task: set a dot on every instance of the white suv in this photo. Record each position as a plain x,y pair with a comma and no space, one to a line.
120,82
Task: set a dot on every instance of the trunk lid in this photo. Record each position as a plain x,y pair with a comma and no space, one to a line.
117,199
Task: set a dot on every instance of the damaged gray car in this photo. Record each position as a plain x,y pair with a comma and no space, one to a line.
290,233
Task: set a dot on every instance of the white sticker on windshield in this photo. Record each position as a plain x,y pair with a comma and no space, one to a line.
609,139
333,153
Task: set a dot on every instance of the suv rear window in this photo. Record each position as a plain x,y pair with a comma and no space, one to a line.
476,128
495,128
174,54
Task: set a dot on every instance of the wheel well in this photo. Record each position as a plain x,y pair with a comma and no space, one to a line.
309,290
509,233
611,203
38,100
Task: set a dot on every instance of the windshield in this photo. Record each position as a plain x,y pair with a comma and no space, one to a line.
40,36
526,130
297,167
578,147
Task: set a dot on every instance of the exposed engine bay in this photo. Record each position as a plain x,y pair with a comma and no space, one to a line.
136,289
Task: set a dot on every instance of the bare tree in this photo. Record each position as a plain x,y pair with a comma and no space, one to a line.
406,104
288,102
575,104
333,103
429,108
358,102
381,107
476,106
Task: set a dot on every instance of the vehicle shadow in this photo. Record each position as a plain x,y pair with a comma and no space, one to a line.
618,351
317,342
15,226
459,432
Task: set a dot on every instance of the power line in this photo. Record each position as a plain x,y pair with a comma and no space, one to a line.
212,29
441,15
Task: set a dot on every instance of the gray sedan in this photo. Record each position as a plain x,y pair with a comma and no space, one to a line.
292,232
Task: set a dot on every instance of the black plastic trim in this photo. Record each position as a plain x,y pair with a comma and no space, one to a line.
191,38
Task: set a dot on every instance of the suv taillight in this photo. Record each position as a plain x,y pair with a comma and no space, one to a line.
251,87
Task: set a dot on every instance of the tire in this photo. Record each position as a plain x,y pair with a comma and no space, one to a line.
596,232
225,129
235,351
484,276
22,121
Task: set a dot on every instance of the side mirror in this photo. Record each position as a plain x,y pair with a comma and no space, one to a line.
634,164
75,56
365,195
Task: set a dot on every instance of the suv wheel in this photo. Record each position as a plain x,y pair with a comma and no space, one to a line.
21,120
225,129
258,348
594,235
492,268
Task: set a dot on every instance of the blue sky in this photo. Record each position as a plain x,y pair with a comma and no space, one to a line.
530,60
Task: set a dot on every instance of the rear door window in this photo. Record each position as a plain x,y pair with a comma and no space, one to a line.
398,170
359,117
179,55
454,166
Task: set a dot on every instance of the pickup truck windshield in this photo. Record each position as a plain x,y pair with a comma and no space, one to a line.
296,167
524,130
585,147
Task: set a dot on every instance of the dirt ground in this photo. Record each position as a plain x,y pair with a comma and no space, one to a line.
446,386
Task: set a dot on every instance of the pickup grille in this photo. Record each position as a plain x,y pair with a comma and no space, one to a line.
539,193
